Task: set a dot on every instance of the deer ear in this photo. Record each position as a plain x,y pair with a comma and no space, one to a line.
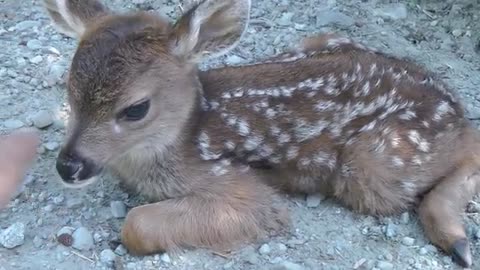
70,17
210,28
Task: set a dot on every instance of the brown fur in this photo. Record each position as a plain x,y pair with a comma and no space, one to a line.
316,119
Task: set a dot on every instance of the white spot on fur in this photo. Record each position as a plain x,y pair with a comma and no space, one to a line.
407,115
284,138
229,145
243,127
368,126
409,187
442,109
292,152
397,161
321,158
265,151
304,162
252,143
415,138
220,168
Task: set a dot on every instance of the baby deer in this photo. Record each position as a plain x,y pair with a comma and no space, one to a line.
212,149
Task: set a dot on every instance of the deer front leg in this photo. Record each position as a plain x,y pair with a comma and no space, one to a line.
219,215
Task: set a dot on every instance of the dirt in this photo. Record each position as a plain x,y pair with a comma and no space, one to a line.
442,35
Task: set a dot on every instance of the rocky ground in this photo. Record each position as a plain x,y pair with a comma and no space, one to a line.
49,227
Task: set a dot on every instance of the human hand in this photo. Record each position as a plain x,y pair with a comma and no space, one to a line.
17,152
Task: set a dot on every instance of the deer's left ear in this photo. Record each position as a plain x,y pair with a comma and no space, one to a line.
210,28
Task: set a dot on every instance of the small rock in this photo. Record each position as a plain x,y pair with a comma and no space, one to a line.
36,60
118,208
121,250
58,199
313,200
34,44
234,59
285,19
252,258
13,124
431,248
228,265
286,265
390,230
264,249
457,32
384,265
82,239
37,242
51,146
48,208
393,12
97,237
21,26
282,247
165,258
107,256
74,203
333,17
408,241
13,236
423,251
42,119
405,218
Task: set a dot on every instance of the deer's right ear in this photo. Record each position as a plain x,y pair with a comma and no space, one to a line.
70,17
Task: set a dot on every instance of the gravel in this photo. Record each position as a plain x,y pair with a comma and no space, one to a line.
313,200
107,256
42,119
13,236
82,239
264,249
118,208
408,241
442,35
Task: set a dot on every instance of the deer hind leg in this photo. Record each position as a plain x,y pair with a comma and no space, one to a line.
440,211
219,215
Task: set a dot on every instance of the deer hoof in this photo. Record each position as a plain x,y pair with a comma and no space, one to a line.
461,253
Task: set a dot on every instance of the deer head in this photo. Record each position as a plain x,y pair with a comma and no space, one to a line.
132,83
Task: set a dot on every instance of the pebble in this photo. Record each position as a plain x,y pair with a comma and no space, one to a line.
384,265
390,230
37,242
42,119
165,258
333,17
13,124
121,250
457,32
396,11
423,251
58,199
74,203
118,208
82,239
285,19
405,218
107,256
36,60
282,247
313,200
13,236
51,146
234,59
252,258
286,265
34,44
24,25
264,249
408,241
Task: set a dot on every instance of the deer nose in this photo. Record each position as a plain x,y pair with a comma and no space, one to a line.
68,168
73,168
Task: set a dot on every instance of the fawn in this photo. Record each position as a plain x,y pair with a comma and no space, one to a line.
213,150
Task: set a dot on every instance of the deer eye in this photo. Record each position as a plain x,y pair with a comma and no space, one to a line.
135,112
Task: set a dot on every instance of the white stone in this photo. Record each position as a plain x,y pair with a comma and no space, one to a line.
13,236
82,239
118,208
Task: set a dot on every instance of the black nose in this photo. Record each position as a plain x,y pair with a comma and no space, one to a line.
68,167
73,168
